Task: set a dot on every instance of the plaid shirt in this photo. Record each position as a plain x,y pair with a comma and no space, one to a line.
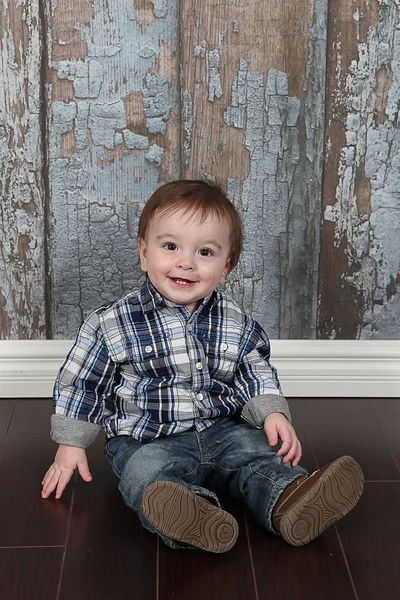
145,367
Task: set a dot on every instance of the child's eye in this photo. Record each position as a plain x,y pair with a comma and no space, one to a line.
170,246
205,252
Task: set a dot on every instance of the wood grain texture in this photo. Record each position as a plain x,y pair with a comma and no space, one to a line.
6,411
195,575
22,261
307,459
370,536
109,553
319,568
27,454
360,254
253,81
114,137
101,102
387,413
30,573
340,427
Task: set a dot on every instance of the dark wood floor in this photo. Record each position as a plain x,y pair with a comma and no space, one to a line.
89,546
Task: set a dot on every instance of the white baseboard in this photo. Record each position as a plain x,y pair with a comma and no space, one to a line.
306,368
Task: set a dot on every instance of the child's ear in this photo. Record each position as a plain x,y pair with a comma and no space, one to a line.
142,254
225,271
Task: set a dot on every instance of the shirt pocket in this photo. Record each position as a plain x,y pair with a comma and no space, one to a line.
222,360
149,357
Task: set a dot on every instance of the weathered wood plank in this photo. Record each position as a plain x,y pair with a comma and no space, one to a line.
360,249
253,77
22,253
114,137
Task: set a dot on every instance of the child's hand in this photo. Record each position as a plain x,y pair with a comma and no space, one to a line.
276,426
67,459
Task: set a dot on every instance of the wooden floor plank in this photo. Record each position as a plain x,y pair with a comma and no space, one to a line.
387,412
317,570
109,554
348,426
370,535
27,454
30,573
307,460
189,575
196,575
6,411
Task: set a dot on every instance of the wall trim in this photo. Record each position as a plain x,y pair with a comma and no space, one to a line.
307,368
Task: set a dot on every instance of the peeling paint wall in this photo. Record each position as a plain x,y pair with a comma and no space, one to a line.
291,108
360,275
22,259
114,137
263,91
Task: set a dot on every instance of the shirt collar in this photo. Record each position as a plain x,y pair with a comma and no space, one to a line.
150,298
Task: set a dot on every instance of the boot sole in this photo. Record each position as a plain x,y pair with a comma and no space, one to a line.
334,495
181,515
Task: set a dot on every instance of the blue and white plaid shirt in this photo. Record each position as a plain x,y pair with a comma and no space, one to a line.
145,367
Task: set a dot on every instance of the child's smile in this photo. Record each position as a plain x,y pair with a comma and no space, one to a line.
185,258
182,282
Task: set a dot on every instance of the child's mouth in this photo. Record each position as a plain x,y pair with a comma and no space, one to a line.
182,282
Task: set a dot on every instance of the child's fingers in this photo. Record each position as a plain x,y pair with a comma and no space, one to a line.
298,454
272,434
288,454
49,487
292,452
49,482
84,472
48,475
287,443
64,478
55,478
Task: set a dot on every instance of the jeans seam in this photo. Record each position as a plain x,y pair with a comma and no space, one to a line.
204,458
111,461
274,483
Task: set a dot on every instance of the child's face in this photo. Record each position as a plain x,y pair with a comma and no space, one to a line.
185,259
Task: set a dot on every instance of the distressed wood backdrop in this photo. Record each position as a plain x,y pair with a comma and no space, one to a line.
291,105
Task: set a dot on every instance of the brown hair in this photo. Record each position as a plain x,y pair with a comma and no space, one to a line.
198,197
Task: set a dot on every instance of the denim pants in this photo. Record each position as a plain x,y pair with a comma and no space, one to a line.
231,455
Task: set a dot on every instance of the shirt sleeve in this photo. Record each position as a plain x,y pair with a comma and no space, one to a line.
256,381
86,378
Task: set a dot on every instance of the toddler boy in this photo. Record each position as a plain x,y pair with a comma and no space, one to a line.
179,378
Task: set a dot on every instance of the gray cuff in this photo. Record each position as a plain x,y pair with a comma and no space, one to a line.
73,432
259,407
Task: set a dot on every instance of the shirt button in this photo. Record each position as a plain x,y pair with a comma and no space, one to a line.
189,327
199,366
148,349
199,396
224,346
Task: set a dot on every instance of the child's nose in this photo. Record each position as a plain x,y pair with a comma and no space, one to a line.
185,261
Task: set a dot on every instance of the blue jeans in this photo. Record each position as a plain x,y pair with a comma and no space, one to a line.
231,455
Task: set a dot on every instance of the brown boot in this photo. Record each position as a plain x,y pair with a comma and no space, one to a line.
181,515
311,503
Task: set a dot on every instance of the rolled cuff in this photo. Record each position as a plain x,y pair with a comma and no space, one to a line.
72,432
259,407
